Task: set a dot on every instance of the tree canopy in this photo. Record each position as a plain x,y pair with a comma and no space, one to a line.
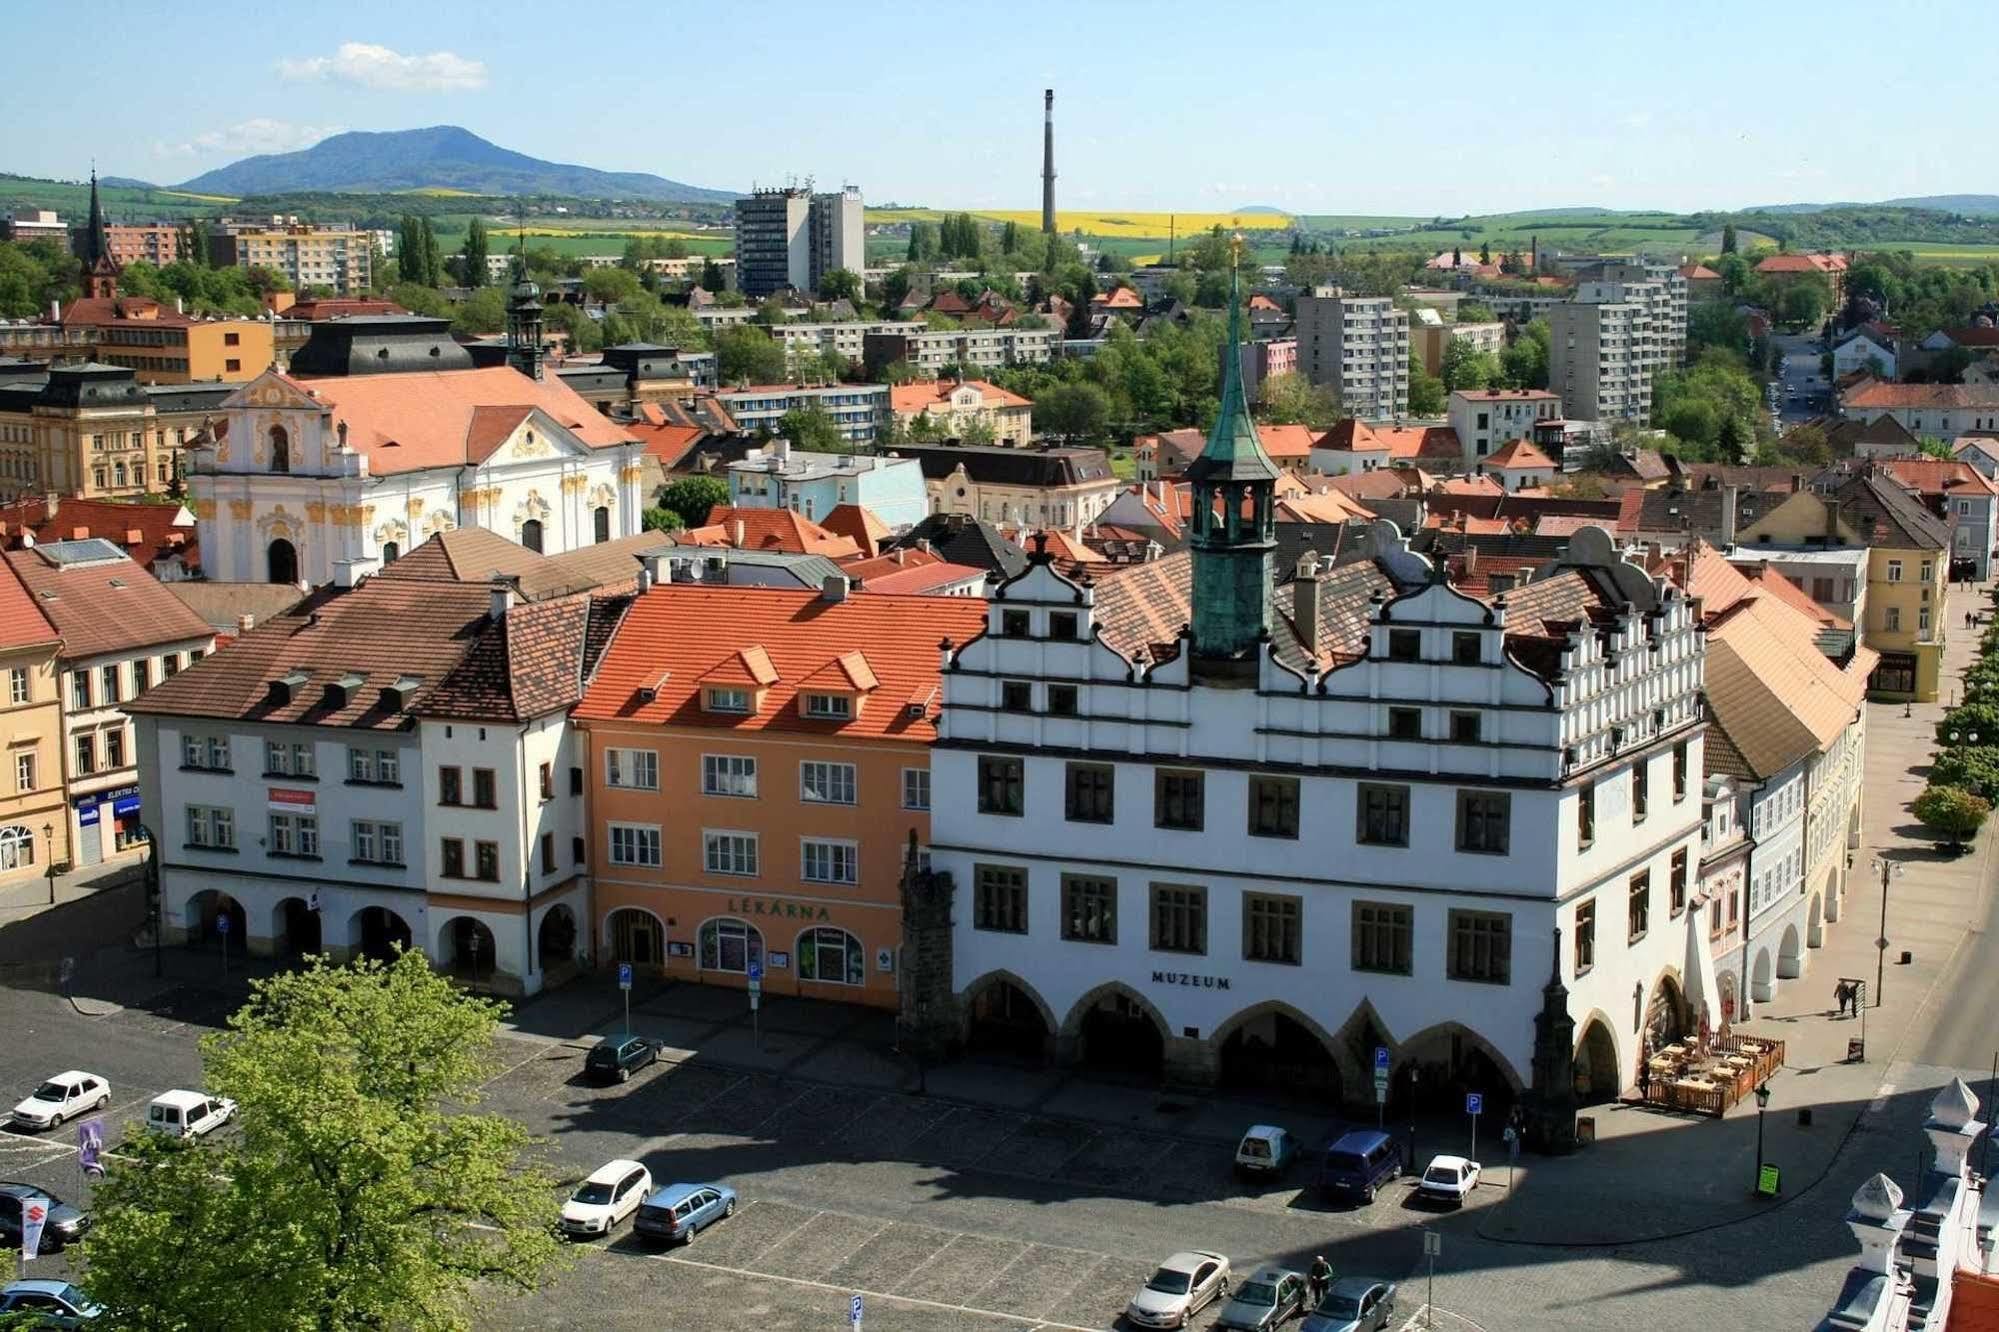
691,498
746,354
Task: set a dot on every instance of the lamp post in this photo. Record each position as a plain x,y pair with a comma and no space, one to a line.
49,854
473,943
1890,869
1762,1104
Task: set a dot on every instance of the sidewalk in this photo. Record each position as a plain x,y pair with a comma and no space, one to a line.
1653,1174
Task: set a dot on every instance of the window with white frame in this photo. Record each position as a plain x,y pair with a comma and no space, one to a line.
24,771
211,826
17,685
916,788
729,775
378,842
294,835
829,707
826,783
728,700
729,852
374,767
831,862
632,769
288,760
209,753
635,844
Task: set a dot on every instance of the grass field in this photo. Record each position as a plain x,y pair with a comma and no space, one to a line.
1117,225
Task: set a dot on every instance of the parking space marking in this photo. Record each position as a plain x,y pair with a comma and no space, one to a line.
1029,1323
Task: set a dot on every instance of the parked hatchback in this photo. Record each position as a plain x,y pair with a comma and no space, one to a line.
48,1304
1359,1163
1354,1304
64,1096
610,1195
1450,1179
1264,1150
62,1225
679,1212
615,1060
1264,1301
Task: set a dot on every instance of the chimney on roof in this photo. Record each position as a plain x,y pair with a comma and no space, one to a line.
502,590
52,503
1729,495
656,569
245,622
739,530
1305,601
834,588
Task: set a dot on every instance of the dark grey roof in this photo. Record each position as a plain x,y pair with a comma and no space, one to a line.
644,360
998,465
379,345
1910,525
587,378
962,539
189,397
90,384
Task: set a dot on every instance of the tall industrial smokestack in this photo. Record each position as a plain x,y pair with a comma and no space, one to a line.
1048,161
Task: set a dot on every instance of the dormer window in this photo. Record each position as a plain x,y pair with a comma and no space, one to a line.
829,707
1405,645
728,700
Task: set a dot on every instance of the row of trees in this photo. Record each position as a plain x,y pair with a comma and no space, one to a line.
1964,777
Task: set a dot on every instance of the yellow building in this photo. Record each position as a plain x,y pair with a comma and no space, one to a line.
187,351
91,431
1903,613
34,816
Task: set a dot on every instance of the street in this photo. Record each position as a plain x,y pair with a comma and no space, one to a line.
1803,392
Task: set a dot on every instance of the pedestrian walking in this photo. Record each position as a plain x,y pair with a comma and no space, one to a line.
1320,1276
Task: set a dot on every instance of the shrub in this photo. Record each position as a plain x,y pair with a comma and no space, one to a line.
1953,813
1979,719
1973,768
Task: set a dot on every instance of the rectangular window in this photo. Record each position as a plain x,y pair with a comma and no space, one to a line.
449,792
1089,909
829,707
109,677
1013,624
726,775
114,747
1481,947
360,765
831,862
1465,727
547,779
17,685
1640,896
141,669
86,754
1016,696
484,789
453,850
211,826
1405,645
1178,799
24,772
826,783
486,858
548,853
1179,918
1272,929
1064,624
1090,795
729,853
1062,700
1641,790
1405,723
1465,648
728,700
294,835
1273,806
1382,935
632,769
1676,885
999,899
79,690
1485,822
1384,814
1585,937
916,788
1894,571
634,844
378,843
170,665
1586,817
1680,771
1001,785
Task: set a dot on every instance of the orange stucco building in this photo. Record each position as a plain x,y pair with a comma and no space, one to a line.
758,760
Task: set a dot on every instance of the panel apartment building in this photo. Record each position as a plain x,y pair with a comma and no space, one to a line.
791,237
1359,347
309,256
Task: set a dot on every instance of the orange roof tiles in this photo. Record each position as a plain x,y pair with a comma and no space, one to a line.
848,671
746,666
925,578
110,605
1935,476
920,396
1936,396
769,529
22,624
1283,442
1468,485
1519,454
666,444
148,532
1118,298
688,631
442,418
859,524
1415,443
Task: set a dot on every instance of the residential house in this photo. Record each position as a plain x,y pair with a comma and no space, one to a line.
34,814
777,476
1485,419
1518,466
1356,446
1868,347
760,769
1040,487
946,409
1943,411
161,537
760,528
122,633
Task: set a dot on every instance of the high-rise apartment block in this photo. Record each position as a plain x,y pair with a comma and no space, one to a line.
1600,359
338,258
1358,346
1660,288
791,237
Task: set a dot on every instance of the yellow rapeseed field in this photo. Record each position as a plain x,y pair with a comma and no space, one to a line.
1105,223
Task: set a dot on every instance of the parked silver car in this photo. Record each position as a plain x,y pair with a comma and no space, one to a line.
1184,1285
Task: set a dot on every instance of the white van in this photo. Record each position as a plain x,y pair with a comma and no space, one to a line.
186,1114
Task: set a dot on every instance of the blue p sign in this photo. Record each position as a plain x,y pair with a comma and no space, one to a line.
1474,1103
624,975
854,1311
1381,1056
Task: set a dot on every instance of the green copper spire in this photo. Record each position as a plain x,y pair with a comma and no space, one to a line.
1234,517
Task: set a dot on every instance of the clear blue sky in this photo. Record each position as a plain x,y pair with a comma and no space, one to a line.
1351,107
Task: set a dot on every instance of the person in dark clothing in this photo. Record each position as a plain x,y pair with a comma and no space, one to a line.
1320,1276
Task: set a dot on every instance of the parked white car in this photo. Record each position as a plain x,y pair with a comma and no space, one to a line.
64,1096
609,1196
1184,1285
1449,1179
187,1114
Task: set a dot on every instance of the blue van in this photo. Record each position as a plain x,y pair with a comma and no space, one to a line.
1358,1163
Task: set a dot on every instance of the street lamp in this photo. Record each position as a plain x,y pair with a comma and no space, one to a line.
1890,869
474,944
1762,1104
49,848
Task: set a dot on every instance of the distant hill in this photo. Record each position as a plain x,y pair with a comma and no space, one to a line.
1951,203
126,183
442,157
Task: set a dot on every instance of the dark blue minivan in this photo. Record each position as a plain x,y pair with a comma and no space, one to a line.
1358,1163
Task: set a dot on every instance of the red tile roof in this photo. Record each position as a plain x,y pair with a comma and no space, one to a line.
92,311
146,532
1286,443
675,636
922,395
859,524
666,444
1935,476
1935,396
1415,443
22,623
110,605
1507,395
1520,453
769,529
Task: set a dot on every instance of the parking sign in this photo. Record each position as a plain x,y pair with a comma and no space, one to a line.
854,1313
1474,1103
1381,1058
624,975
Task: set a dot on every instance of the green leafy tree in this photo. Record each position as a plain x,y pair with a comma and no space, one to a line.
1731,440
1295,400
840,284
472,261
1475,312
361,1192
712,277
1973,768
898,372
1932,447
1426,392
1524,363
746,354
812,430
1728,238
1073,411
977,430
1485,252
1010,238
660,520
1802,300
923,244
1466,367
483,312
1955,815
34,274
1961,724
409,251
692,497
